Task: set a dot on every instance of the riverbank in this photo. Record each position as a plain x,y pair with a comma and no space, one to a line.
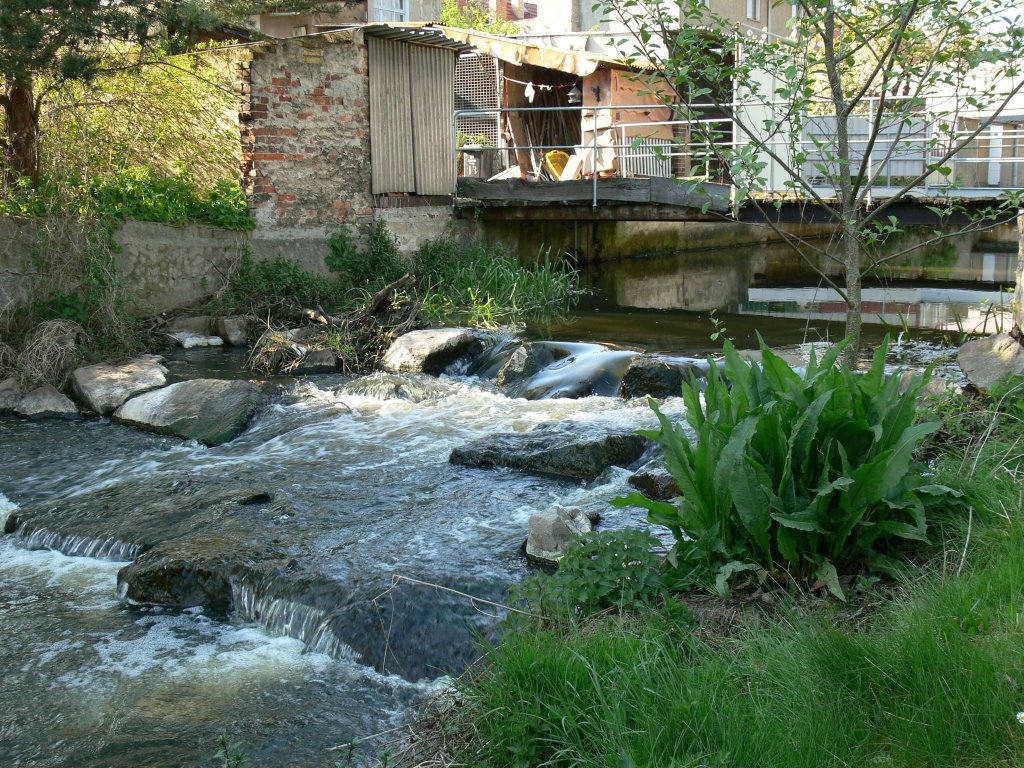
922,671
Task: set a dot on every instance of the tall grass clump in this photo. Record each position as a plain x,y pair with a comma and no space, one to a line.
488,282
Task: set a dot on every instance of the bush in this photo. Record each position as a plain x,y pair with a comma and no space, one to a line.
259,286
794,477
603,570
372,267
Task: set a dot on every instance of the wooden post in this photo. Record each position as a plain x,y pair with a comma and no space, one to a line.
1018,298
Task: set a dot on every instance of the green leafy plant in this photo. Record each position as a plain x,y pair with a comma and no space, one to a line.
600,571
258,285
371,267
794,476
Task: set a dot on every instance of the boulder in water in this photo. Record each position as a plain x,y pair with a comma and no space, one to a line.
987,360
314,361
552,531
431,351
525,362
104,388
10,394
657,377
202,569
558,450
654,481
233,330
46,402
211,411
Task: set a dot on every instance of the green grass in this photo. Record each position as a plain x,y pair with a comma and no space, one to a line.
488,285
932,677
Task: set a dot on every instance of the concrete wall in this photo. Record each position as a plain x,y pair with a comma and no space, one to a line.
164,266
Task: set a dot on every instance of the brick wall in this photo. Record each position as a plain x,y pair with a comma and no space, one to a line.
306,133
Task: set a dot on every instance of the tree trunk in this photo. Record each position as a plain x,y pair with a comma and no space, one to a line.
21,156
854,317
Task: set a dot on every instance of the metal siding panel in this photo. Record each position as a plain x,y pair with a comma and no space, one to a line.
433,106
391,123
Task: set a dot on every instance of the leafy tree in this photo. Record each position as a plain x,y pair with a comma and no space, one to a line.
45,44
475,14
892,77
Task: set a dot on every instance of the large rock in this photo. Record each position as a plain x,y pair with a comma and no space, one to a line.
654,481
205,569
658,377
431,351
195,324
233,330
525,362
10,395
315,361
558,450
211,411
552,531
985,361
104,388
46,402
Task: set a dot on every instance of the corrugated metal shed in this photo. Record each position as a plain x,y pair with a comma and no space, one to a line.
391,126
433,104
412,100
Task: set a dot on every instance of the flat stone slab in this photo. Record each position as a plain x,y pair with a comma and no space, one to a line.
190,340
986,361
104,388
212,411
46,402
431,351
558,451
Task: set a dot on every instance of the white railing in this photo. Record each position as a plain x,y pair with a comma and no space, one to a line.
901,150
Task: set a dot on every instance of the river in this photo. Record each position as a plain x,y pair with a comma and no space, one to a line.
361,466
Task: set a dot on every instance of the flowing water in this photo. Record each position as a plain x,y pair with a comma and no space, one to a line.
363,491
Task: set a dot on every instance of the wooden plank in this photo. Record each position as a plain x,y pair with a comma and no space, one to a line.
715,197
614,212
576,191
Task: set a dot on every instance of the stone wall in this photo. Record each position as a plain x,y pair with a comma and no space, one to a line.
306,135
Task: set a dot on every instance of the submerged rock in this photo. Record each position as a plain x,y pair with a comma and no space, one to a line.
211,411
199,569
10,395
552,531
431,351
585,370
122,521
654,481
104,388
46,402
985,361
659,377
557,450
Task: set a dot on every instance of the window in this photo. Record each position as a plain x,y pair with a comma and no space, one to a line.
754,10
391,10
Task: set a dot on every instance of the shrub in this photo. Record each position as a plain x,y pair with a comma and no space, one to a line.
372,267
258,286
600,571
794,476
